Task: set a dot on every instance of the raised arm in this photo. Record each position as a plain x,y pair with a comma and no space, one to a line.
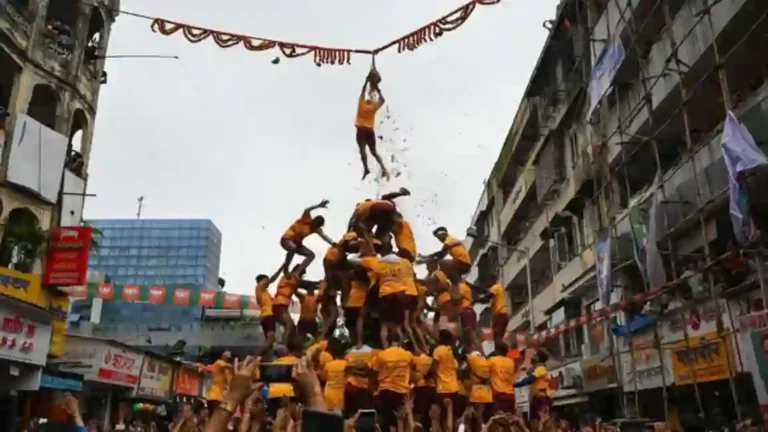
308,211
366,248
277,274
365,86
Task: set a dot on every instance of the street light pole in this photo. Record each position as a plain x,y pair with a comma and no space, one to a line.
472,233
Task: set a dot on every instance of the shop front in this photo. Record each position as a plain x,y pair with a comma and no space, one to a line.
601,380
187,385
566,382
753,349
111,372
152,397
645,371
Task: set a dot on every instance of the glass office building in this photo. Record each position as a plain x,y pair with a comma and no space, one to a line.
154,252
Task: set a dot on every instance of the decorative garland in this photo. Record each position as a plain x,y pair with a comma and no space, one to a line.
322,55
188,295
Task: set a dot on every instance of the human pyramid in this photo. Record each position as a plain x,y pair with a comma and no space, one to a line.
394,355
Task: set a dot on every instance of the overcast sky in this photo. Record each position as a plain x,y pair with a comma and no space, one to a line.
226,135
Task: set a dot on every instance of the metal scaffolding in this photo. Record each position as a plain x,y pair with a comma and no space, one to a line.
604,174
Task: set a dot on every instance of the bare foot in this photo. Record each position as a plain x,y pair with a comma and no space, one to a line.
385,175
365,174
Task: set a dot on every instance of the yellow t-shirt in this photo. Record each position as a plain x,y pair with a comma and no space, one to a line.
360,357
309,307
498,300
457,250
279,390
421,365
481,374
394,368
404,239
264,299
222,374
503,374
447,366
299,229
541,386
366,112
286,287
357,293
391,272
335,378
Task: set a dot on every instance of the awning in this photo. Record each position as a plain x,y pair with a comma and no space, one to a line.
570,400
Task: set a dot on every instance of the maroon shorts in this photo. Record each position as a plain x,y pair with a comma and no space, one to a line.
382,211
355,399
365,137
372,298
460,403
423,399
351,315
469,318
500,323
538,403
279,311
388,401
391,308
212,405
504,402
309,327
454,397
268,324
411,302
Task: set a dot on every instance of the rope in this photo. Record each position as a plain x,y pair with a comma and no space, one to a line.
323,55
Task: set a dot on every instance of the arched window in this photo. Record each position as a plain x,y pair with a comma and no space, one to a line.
75,159
61,22
9,69
23,240
43,105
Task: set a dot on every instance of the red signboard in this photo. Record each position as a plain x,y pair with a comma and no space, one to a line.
187,382
66,260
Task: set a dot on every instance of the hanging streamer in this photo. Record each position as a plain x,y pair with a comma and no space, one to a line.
322,55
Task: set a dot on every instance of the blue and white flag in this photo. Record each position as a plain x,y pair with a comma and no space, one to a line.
656,275
604,72
740,153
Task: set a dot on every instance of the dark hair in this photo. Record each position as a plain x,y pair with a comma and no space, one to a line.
542,355
393,338
261,277
501,348
336,347
439,229
295,347
318,221
445,337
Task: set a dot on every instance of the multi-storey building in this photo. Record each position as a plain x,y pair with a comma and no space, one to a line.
163,252
611,181
51,70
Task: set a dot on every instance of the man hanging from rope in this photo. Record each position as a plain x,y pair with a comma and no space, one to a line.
367,106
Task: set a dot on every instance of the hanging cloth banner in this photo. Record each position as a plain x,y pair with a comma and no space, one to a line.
179,295
322,55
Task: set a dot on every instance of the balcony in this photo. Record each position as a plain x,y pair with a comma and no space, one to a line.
16,21
521,190
731,18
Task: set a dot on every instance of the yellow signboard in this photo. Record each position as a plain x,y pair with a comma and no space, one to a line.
59,307
707,357
23,286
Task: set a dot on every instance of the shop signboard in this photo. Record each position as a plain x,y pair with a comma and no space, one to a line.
101,361
643,367
703,358
188,382
59,307
599,373
698,320
23,340
23,286
754,321
156,376
66,262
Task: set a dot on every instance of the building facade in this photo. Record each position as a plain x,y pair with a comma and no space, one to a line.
163,252
612,182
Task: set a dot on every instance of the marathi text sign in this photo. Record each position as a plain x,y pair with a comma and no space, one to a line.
24,287
704,358
155,380
98,360
188,382
66,261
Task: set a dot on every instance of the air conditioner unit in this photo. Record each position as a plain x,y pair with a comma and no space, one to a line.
571,378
